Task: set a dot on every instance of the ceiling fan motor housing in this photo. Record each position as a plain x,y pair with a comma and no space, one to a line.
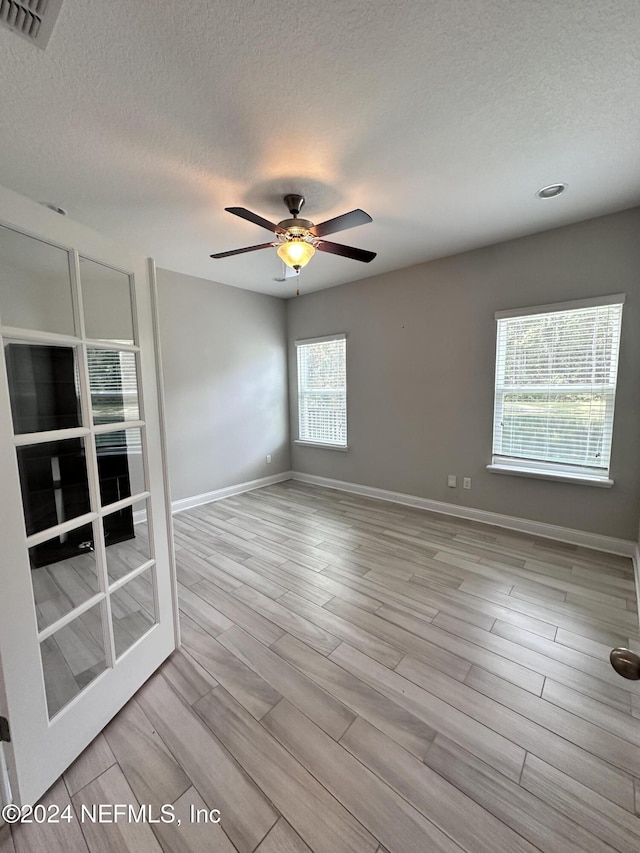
294,203
296,225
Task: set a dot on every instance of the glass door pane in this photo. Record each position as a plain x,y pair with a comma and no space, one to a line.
113,383
133,610
126,539
43,387
120,464
72,657
35,284
54,483
106,299
62,583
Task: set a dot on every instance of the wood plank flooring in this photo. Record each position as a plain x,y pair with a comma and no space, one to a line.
360,676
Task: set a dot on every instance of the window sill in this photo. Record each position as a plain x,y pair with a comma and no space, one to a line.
580,479
342,447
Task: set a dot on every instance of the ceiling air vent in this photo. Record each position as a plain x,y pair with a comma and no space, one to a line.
32,19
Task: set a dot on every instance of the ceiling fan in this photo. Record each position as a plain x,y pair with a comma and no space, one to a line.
298,238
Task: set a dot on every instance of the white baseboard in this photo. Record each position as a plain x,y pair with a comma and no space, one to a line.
218,494
582,538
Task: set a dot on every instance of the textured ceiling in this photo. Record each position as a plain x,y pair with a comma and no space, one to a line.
441,118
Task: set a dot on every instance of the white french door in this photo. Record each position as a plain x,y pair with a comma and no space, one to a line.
87,601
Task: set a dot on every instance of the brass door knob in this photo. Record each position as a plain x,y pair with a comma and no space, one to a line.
626,663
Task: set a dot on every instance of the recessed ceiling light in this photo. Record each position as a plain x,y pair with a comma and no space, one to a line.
54,207
551,191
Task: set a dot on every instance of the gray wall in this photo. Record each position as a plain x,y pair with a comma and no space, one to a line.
225,375
420,372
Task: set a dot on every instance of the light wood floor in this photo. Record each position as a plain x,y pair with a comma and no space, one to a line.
361,676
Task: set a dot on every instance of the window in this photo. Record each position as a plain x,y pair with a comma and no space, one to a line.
556,370
322,391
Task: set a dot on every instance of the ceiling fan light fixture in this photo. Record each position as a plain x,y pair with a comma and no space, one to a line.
296,253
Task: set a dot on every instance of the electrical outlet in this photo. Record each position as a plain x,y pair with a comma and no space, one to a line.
268,459
452,481
466,483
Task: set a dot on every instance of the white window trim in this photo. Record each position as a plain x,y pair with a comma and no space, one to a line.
552,308
541,474
338,336
321,445
541,470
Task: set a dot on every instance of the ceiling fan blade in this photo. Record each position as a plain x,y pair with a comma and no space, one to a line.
346,251
243,213
242,251
341,223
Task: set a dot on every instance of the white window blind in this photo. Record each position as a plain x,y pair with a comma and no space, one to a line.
113,385
322,390
556,373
